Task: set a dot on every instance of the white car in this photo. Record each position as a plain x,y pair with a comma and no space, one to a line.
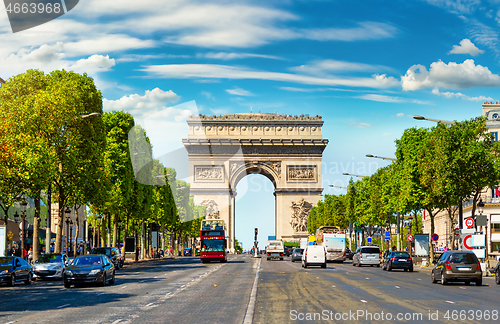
50,266
314,255
367,255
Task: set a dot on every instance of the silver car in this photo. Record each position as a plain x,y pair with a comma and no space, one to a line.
369,255
50,266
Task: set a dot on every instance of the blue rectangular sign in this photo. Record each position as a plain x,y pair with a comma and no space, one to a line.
387,235
368,240
271,238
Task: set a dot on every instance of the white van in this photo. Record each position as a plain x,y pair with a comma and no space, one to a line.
314,255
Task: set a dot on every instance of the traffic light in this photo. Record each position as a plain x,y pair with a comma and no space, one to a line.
256,231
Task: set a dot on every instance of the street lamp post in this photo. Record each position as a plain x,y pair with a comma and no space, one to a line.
447,122
338,186
23,227
67,211
480,209
354,175
380,157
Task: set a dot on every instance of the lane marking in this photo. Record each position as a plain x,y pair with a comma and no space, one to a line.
11,322
150,304
156,277
397,287
124,287
334,286
367,278
419,279
117,321
62,306
363,301
462,287
450,302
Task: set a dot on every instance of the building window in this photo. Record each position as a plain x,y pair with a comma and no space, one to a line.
495,228
495,136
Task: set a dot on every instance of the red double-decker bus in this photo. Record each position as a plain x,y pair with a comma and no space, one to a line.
213,240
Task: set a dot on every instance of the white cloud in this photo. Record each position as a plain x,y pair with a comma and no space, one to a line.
232,56
457,6
213,71
294,89
365,31
389,99
153,101
93,64
360,125
451,76
466,47
322,67
208,95
460,95
400,114
239,92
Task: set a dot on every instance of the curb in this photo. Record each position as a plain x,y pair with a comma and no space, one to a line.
253,296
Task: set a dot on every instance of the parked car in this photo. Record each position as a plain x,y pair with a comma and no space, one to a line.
398,260
188,252
348,253
14,269
91,268
288,251
314,255
457,266
50,265
112,253
367,255
297,254
496,272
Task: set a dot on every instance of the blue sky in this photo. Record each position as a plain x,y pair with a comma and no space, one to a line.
366,66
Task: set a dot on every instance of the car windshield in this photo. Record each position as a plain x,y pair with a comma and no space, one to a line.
101,251
400,255
212,245
5,261
463,258
49,258
370,250
87,260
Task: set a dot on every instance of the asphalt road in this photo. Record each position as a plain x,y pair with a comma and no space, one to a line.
287,293
164,291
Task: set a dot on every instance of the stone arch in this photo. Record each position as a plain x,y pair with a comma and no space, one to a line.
286,149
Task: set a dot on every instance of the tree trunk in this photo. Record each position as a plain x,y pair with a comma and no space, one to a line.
36,228
431,247
115,230
77,229
59,226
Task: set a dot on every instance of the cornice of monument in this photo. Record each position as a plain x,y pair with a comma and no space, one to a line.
255,118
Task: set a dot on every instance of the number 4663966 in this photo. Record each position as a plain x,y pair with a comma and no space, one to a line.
34,8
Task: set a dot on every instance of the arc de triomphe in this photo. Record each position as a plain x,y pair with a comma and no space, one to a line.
287,150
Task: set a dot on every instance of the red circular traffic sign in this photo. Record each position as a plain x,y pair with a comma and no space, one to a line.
410,237
469,222
467,237
435,237
457,231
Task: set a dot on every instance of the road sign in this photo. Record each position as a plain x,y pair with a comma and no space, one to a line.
467,243
369,240
435,237
469,222
409,237
457,231
387,236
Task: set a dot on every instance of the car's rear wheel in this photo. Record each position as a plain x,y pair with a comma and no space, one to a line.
67,284
411,269
479,282
323,265
497,278
443,279
433,278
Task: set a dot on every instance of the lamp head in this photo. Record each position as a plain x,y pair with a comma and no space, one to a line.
418,117
369,155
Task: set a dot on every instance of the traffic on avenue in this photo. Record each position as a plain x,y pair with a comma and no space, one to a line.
247,289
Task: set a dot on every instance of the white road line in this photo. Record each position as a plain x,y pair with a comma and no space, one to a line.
367,278
397,287
334,286
363,301
117,321
462,287
419,279
450,302
156,277
11,322
62,306
124,287
150,304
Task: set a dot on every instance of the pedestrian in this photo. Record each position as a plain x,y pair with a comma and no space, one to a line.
394,248
30,255
43,250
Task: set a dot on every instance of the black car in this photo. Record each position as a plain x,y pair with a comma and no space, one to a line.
15,269
90,268
297,254
458,266
288,251
112,253
398,260
348,253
